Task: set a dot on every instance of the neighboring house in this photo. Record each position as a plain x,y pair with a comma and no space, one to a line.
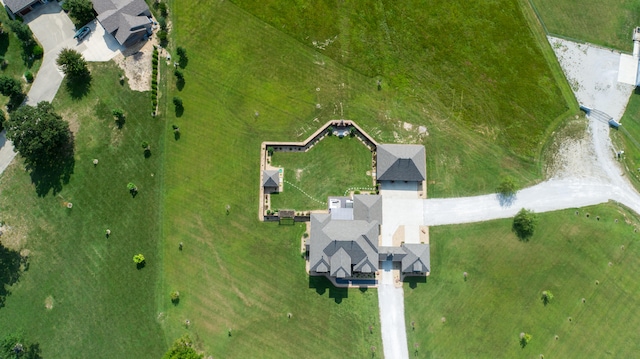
127,20
401,163
271,181
21,7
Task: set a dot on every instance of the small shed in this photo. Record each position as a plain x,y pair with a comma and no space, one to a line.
271,179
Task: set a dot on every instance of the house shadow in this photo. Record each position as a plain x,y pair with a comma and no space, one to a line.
10,271
321,284
414,281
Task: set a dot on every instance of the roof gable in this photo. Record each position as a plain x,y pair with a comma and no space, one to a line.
401,163
270,178
417,259
367,208
17,5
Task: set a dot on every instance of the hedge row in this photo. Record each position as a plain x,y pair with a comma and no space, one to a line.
154,80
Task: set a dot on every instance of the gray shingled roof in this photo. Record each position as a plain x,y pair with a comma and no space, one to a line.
127,18
270,178
418,258
367,208
333,242
17,5
401,163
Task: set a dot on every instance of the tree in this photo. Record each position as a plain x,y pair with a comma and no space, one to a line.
11,87
182,348
81,11
507,188
546,297
138,259
72,64
175,297
524,223
39,134
525,338
22,31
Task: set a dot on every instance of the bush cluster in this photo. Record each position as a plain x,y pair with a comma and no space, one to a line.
154,80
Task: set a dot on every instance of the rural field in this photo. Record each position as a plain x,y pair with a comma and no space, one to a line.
627,138
574,256
268,71
606,23
82,289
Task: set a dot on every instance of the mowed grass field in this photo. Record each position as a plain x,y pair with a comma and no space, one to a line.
475,75
608,23
627,139
573,256
82,296
333,166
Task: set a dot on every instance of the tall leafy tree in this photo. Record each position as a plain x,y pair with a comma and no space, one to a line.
39,134
81,11
72,64
182,348
524,223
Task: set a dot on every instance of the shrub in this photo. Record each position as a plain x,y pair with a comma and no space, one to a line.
175,296
270,150
138,259
132,187
162,8
507,188
118,113
525,338
162,37
524,223
177,101
37,51
330,130
179,75
28,76
162,21
145,145
547,296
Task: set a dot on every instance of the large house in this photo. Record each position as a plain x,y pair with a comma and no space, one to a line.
129,21
344,243
21,7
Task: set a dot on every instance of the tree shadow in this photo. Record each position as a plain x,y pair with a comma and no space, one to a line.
321,284
180,84
506,200
179,111
10,270
147,153
141,265
52,175
120,121
4,43
176,135
78,87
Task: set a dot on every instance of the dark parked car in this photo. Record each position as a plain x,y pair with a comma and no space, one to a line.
82,33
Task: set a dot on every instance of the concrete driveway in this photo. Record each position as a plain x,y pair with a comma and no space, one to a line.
54,30
99,45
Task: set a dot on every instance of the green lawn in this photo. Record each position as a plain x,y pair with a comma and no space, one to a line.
330,168
11,51
502,296
627,138
608,23
102,306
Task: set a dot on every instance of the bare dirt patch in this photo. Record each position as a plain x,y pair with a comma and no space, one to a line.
136,63
48,303
299,174
13,237
571,153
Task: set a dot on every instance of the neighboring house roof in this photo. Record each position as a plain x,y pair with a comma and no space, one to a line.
17,5
270,178
335,246
367,208
125,19
401,163
417,259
